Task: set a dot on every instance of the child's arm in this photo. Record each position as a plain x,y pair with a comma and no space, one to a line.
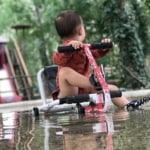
99,53
61,58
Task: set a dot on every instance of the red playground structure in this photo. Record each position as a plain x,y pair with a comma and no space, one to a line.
7,89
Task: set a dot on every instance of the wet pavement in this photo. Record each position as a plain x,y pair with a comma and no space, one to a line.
120,130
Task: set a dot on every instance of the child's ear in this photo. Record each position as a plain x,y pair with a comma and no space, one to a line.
80,30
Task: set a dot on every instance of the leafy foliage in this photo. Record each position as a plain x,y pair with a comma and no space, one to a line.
123,25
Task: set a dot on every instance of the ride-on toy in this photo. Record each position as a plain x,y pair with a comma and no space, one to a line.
82,103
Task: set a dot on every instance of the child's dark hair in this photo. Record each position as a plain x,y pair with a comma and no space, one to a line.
67,22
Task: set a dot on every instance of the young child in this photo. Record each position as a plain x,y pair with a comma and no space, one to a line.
74,68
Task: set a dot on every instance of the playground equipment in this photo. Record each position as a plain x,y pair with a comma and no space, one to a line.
15,81
7,90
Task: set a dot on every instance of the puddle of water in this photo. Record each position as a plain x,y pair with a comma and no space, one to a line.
120,130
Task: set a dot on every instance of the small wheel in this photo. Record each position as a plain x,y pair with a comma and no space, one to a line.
129,108
80,108
36,112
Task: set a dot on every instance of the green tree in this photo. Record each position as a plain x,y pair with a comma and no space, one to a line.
120,20
40,39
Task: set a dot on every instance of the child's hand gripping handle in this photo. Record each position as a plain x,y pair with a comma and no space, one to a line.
69,48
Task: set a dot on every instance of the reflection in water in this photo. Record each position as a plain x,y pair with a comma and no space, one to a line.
7,126
136,133
83,132
120,130
15,131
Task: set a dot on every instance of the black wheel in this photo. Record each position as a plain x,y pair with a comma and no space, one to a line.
80,109
36,112
130,108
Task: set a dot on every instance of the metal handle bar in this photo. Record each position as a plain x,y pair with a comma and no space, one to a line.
69,48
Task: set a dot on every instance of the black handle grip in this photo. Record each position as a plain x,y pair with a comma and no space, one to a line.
75,99
85,97
69,48
114,94
101,45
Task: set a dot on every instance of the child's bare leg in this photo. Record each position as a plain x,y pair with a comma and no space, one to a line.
118,101
70,81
